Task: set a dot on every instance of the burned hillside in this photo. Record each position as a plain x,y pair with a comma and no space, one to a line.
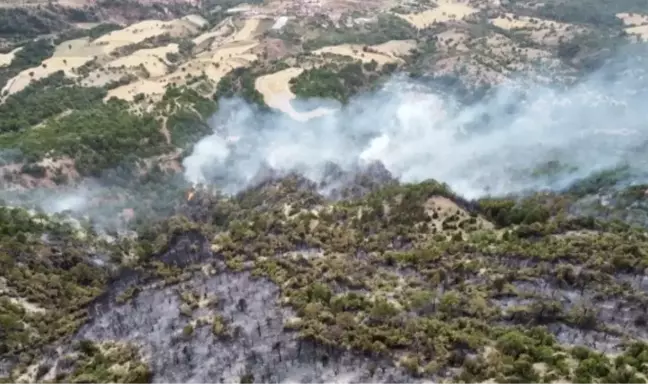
282,283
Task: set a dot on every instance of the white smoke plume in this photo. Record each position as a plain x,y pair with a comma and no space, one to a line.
523,137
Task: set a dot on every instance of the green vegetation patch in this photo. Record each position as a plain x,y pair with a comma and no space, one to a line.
108,362
43,99
439,289
99,138
92,33
339,81
187,113
54,117
386,27
28,22
187,128
102,29
45,285
240,82
31,55
598,13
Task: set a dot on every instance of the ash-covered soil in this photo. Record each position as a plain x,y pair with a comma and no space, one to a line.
174,328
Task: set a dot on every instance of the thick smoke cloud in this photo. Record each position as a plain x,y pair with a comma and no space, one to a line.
522,137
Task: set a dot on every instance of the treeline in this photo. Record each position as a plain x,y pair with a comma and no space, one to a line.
387,27
20,23
339,82
55,276
240,82
43,99
599,13
92,33
99,138
187,113
586,13
32,54
74,122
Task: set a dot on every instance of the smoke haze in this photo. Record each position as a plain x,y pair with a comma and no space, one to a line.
522,137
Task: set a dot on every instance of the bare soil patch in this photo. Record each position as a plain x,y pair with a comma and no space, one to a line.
153,60
446,10
389,52
547,32
143,86
7,58
48,67
70,55
633,19
276,92
641,32
217,59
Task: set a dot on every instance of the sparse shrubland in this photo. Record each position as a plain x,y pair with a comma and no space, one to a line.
386,27
444,290
188,112
54,278
107,363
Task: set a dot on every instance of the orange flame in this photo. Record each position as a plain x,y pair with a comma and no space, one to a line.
191,193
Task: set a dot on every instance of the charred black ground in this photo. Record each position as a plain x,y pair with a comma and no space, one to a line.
375,282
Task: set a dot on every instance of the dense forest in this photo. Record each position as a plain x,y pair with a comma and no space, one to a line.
340,81
30,55
98,139
74,122
45,98
22,23
240,82
599,13
188,112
